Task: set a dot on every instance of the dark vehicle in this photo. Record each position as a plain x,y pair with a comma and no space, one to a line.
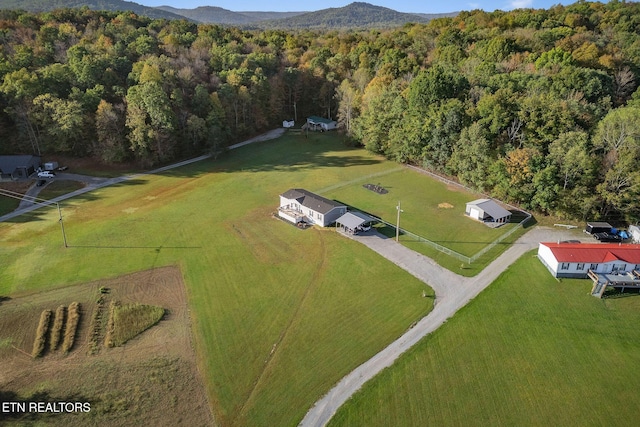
608,237
598,227
41,182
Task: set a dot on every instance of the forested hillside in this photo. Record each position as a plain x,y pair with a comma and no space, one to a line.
537,107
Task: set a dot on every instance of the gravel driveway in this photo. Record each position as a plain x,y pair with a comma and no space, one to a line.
452,293
93,183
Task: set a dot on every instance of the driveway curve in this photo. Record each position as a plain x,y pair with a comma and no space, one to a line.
452,293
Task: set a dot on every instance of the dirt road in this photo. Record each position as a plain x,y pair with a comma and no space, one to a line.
452,293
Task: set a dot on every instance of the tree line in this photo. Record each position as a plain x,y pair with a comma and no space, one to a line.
536,107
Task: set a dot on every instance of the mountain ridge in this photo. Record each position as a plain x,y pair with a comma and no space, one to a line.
353,15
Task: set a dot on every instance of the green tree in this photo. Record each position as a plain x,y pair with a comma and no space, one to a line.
63,121
151,123
570,154
111,142
433,85
347,97
471,157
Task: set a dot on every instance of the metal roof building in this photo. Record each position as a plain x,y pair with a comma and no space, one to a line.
576,259
487,210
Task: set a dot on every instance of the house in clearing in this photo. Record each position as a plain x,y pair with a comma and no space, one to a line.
319,123
18,167
298,205
575,260
488,211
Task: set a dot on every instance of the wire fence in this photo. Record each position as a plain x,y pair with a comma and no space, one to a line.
428,242
451,252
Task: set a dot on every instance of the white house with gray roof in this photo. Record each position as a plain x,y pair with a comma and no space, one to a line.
320,123
298,205
488,211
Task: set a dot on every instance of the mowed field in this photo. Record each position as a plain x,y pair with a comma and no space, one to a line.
528,351
431,209
279,314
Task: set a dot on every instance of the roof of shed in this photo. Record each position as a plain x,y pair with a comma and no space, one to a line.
595,252
311,200
10,163
490,207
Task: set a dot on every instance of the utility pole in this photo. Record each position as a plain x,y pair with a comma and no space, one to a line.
64,236
398,221
40,202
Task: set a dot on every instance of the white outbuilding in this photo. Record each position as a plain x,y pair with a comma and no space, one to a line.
487,210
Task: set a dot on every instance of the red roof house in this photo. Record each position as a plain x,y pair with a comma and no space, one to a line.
576,259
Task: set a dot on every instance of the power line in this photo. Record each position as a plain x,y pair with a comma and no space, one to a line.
38,201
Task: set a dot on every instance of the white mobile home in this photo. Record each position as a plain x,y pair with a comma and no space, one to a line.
320,123
298,205
576,259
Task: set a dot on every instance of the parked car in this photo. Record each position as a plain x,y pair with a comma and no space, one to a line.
41,182
46,174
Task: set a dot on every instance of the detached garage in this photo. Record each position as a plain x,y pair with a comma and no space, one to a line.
18,167
488,211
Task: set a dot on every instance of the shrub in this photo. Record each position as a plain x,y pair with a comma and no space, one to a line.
73,319
41,333
56,330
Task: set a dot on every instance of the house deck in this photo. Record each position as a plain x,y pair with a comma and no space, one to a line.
291,215
630,280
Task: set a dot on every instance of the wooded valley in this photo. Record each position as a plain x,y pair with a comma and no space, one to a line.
535,107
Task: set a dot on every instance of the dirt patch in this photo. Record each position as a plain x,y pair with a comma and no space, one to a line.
153,379
445,205
17,186
93,166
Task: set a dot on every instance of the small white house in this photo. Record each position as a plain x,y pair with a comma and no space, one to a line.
576,259
487,210
298,205
320,123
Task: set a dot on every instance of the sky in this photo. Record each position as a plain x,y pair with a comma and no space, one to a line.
399,5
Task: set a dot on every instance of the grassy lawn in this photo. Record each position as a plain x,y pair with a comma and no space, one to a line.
529,351
10,204
431,209
58,188
279,314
